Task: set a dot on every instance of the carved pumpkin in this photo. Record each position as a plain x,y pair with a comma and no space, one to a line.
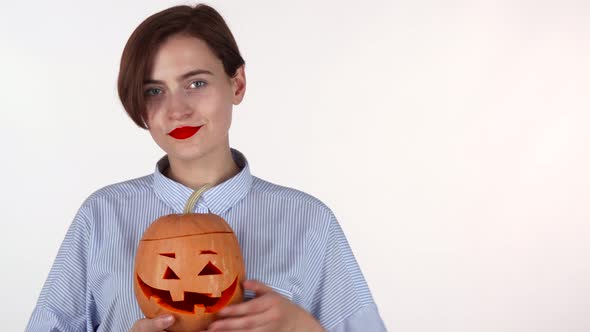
189,265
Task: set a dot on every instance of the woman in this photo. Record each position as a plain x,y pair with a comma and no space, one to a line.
181,73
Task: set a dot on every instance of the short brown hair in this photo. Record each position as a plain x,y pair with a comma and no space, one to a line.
200,21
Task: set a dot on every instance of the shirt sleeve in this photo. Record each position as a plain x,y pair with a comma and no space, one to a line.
365,319
64,300
342,301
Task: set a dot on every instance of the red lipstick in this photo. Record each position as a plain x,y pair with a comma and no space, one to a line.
184,132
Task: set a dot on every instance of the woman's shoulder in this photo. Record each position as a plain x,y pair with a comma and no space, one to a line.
121,190
105,203
266,190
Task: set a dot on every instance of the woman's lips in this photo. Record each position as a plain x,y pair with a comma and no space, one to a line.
184,132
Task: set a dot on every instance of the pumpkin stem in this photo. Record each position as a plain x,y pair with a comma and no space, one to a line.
192,200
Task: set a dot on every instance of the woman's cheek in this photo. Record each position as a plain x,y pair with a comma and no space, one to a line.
153,103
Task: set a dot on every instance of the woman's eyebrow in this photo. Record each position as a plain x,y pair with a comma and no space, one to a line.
182,77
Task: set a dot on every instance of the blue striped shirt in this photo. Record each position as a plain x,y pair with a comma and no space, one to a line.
290,241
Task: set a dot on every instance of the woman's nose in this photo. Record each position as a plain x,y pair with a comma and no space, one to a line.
177,106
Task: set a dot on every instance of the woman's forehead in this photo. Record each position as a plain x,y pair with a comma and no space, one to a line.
182,54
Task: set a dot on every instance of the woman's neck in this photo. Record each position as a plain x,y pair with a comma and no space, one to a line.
213,168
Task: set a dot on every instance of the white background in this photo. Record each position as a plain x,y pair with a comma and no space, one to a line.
451,138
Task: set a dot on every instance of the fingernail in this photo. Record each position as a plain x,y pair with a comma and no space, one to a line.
166,319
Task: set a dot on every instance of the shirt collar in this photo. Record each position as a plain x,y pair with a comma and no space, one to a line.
218,199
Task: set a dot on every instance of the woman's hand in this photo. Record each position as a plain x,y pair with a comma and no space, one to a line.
269,311
156,324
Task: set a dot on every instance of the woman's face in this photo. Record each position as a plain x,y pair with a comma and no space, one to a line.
188,92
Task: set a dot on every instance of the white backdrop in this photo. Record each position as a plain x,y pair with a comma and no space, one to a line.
451,138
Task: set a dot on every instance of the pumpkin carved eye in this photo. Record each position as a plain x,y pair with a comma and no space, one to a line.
169,274
210,269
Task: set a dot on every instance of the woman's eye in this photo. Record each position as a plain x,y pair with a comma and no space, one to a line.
197,84
153,91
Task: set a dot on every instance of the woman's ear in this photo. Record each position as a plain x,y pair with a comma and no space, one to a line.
238,83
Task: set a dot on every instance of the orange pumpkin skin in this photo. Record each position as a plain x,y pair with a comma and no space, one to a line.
189,265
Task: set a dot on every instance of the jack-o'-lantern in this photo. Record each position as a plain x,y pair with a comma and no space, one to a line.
189,265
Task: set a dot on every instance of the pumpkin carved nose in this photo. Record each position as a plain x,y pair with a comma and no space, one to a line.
209,269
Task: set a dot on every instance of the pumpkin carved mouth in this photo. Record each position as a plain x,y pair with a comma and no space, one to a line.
193,302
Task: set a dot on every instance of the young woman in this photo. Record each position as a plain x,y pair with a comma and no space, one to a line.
181,73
